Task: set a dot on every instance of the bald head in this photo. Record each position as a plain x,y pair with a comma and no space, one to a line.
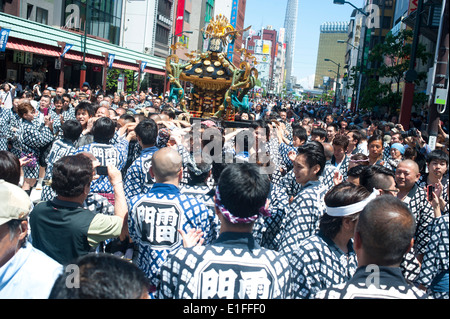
406,175
166,165
384,232
410,164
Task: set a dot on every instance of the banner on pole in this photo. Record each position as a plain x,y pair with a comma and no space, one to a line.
66,48
234,10
111,60
4,34
180,17
143,65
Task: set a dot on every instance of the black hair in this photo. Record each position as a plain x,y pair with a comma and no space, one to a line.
243,189
9,167
320,132
300,132
212,141
168,111
58,98
438,155
261,124
341,140
386,227
103,130
71,174
374,176
218,167
85,106
335,125
314,154
356,171
343,194
101,276
376,137
128,118
147,130
71,130
245,139
357,135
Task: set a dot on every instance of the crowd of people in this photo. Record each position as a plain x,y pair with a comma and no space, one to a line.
139,200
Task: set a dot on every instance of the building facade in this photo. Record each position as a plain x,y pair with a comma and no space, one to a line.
88,32
331,49
290,25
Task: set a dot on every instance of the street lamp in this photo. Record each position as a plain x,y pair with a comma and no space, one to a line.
177,35
83,66
337,82
359,71
342,2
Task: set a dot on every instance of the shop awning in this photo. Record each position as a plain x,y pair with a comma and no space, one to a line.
48,50
33,47
153,71
125,66
43,39
77,56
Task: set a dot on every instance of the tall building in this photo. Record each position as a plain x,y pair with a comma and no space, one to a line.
290,25
279,66
147,26
201,15
329,48
263,46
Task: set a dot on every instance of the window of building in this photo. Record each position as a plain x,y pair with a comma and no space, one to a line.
165,8
29,11
187,17
41,15
162,34
387,22
104,17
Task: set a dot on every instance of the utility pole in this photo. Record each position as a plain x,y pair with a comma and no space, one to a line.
83,66
440,75
411,74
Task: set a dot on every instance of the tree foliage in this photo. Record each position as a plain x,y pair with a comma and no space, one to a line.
390,60
112,80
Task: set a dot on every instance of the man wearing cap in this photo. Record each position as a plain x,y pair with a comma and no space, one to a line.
155,217
234,266
86,88
25,272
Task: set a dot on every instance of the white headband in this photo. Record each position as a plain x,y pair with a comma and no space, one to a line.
353,208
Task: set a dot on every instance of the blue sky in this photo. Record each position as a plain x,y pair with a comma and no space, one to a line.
311,14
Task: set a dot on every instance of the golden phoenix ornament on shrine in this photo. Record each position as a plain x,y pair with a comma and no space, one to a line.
219,87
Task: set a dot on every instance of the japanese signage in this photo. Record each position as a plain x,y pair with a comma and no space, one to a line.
4,34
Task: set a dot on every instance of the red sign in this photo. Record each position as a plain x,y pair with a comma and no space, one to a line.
97,68
413,4
180,18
